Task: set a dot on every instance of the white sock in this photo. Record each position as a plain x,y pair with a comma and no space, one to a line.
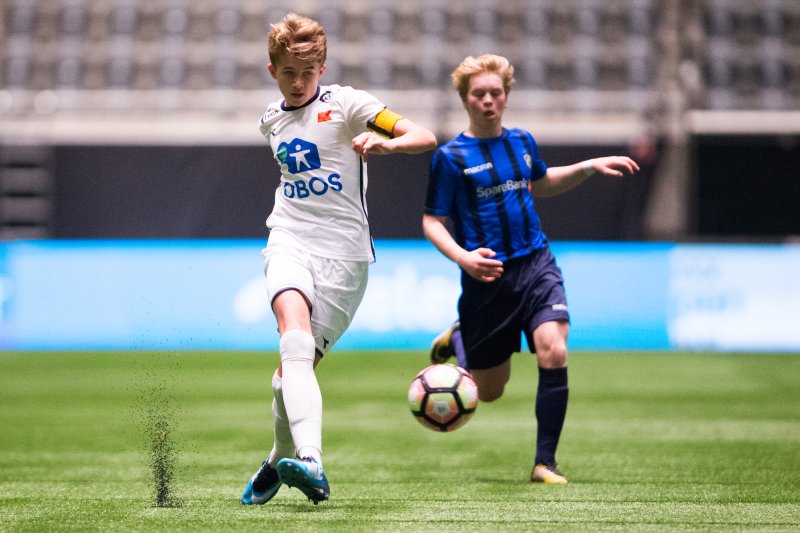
301,394
283,445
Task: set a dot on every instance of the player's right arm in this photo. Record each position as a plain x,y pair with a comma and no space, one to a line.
402,135
477,263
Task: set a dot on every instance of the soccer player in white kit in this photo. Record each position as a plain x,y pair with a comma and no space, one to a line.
319,246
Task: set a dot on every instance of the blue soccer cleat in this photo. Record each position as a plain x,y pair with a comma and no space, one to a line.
306,474
266,479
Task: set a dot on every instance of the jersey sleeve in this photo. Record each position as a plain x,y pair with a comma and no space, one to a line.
266,120
359,108
538,167
441,186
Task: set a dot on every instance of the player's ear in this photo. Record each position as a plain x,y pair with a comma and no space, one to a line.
272,70
322,69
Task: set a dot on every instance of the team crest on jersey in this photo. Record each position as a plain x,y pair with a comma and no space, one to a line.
528,160
324,97
298,156
324,116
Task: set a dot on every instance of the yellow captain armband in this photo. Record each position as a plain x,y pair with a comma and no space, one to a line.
384,122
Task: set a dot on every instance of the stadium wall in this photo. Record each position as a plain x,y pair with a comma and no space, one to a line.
223,192
210,294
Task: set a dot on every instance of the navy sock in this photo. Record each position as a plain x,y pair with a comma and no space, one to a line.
458,347
551,409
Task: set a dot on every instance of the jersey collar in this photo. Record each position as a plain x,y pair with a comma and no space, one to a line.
465,137
285,107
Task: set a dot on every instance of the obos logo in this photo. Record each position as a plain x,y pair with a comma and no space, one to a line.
298,156
301,156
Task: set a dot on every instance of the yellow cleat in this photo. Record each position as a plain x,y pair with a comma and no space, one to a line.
547,474
441,347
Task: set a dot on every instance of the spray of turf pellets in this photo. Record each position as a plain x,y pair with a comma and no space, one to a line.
159,426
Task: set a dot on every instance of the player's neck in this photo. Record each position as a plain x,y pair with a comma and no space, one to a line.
484,132
286,106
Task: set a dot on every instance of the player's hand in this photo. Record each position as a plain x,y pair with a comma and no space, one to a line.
371,143
480,265
615,165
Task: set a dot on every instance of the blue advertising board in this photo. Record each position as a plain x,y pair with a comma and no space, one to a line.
210,294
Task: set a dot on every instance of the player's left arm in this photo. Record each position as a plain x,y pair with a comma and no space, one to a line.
389,133
562,179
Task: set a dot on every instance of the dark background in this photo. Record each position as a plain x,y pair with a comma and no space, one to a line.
228,191
742,188
749,186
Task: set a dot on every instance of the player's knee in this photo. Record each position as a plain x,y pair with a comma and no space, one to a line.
553,359
490,392
552,352
298,351
492,382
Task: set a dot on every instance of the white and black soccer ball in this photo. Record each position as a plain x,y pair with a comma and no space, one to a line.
443,397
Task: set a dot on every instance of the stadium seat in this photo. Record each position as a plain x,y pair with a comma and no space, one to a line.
590,45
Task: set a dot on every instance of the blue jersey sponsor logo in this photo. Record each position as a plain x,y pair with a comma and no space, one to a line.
298,156
315,186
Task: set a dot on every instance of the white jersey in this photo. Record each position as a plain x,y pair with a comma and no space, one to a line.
321,200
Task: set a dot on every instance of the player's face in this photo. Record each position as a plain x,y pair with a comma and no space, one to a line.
485,101
297,79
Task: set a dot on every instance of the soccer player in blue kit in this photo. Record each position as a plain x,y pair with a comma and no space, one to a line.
484,181
319,246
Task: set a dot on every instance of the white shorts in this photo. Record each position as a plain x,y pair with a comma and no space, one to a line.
334,287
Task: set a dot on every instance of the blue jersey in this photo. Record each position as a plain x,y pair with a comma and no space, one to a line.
483,186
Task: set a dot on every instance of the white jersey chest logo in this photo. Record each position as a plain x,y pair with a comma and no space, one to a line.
298,155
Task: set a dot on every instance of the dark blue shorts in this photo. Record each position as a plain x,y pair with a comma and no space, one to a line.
493,315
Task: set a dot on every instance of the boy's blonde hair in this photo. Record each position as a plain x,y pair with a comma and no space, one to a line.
297,36
478,65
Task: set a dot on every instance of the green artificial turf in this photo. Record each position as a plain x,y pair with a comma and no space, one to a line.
653,442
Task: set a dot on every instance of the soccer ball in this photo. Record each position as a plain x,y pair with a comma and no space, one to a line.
443,397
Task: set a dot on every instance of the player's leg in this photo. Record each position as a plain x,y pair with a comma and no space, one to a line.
303,417
488,336
291,290
550,341
339,287
283,445
547,329
301,395
264,484
491,382
297,402
447,344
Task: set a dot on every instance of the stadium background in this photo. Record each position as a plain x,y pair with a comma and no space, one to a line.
129,148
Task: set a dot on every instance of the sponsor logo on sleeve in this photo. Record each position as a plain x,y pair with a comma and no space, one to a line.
271,112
